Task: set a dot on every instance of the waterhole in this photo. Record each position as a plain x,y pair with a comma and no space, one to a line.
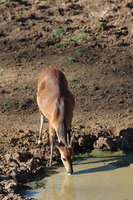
109,178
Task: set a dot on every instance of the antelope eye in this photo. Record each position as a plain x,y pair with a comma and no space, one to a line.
64,159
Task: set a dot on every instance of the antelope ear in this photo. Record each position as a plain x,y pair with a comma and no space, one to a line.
72,142
57,144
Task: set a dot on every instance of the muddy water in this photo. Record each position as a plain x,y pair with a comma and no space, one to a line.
94,179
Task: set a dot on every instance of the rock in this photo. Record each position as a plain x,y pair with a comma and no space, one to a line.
14,163
3,177
104,143
81,141
6,198
110,144
13,173
10,184
8,157
10,171
22,157
127,139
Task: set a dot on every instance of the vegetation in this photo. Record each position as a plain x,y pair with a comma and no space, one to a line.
57,32
61,44
114,68
71,59
8,104
100,153
73,80
68,39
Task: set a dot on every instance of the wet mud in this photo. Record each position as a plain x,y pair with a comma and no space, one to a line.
92,43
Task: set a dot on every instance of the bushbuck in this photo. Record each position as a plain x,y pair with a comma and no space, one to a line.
56,103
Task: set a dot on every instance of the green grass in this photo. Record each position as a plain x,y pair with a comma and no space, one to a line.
71,59
79,36
2,3
57,32
100,153
8,104
102,22
24,87
61,44
113,68
67,38
73,80
79,51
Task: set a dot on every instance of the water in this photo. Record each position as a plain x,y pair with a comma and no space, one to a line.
93,179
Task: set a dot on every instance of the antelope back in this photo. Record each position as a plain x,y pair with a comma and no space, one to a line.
54,98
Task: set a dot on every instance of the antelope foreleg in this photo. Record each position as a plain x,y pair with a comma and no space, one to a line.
51,134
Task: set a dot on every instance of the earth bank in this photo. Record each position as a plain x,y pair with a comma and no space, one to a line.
91,42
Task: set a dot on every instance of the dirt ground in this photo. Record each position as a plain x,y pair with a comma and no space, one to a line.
92,43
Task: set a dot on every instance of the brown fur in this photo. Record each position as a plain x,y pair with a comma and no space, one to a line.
56,103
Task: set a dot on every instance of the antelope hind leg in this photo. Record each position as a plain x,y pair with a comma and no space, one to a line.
41,128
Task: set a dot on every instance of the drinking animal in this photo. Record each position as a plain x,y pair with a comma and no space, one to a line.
56,103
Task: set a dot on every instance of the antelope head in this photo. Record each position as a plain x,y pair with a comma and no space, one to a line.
67,154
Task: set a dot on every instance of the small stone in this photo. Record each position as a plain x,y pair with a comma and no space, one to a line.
8,157
81,141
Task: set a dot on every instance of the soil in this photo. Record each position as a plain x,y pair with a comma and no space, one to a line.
92,43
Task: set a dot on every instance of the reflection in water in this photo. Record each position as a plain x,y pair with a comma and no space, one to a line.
94,179
62,190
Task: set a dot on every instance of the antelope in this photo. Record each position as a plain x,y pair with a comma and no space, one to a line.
56,103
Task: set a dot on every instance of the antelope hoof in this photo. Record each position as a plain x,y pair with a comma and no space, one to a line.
69,173
50,165
39,142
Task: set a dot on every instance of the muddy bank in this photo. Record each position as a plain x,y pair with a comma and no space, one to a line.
18,165
92,43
